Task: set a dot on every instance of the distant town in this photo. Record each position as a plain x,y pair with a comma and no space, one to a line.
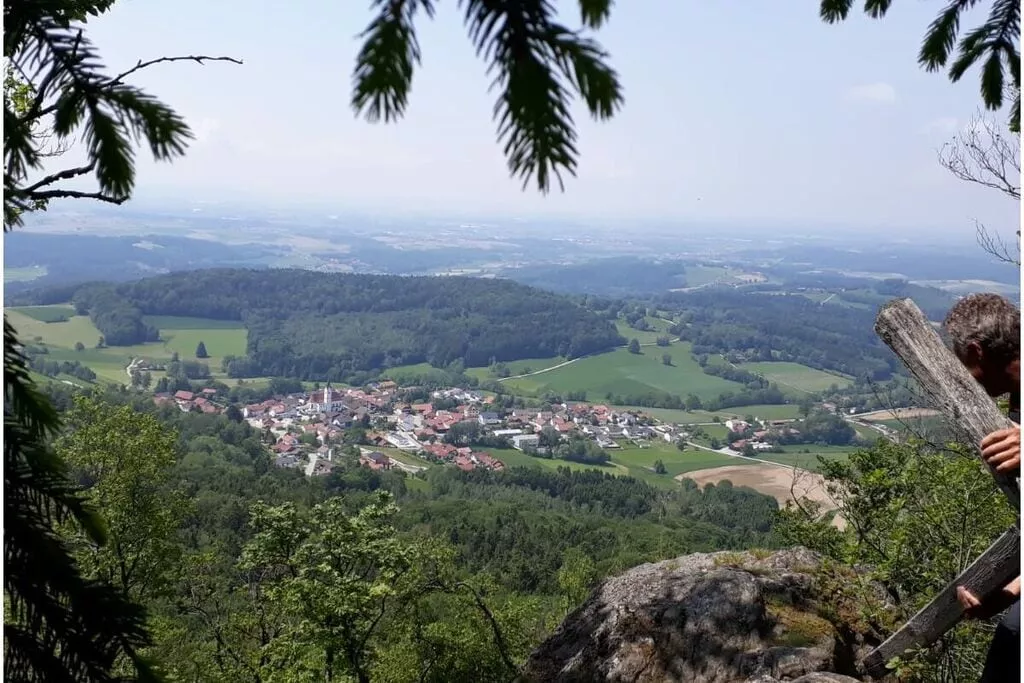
307,431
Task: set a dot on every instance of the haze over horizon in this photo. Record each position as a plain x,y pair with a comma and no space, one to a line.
831,125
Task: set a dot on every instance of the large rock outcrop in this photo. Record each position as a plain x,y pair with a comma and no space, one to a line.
752,617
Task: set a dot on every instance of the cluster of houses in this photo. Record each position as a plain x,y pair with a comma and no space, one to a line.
204,401
759,436
305,430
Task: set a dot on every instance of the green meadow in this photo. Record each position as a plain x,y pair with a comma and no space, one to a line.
622,373
25,274
659,328
631,461
698,276
782,411
807,457
517,367
797,376
46,314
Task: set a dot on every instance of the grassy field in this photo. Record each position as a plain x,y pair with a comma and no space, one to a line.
623,373
517,367
514,458
60,334
697,276
632,461
402,456
658,329
796,457
784,411
24,274
46,314
797,376
220,337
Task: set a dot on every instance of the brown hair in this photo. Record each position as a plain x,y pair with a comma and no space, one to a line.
988,320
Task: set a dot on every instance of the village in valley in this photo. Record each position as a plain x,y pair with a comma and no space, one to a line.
312,431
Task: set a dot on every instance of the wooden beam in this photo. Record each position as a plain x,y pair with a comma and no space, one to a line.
996,567
952,390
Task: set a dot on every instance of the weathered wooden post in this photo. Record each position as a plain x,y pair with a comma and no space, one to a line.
962,401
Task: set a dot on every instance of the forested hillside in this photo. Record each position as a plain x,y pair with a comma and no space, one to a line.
789,327
312,325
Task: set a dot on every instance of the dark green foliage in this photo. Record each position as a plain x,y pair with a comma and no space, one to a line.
834,338
311,325
53,368
823,428
609,277
916,516
119,321
582,450
534,61
58,626
995,44
201,350
517,524
634,346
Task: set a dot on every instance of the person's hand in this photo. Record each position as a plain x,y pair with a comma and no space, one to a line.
969,601
991,605
1001,450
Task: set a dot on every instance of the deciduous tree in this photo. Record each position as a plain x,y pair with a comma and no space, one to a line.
123,461
334,576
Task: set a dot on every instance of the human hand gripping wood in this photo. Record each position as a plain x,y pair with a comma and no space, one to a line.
990,605
965,405
1001,450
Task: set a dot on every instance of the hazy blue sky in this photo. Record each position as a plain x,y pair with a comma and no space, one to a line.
735,110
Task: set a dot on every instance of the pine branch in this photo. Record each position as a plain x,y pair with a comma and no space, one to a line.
47,195
66,174
198,59
535,64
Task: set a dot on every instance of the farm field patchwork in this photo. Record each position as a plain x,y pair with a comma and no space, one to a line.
797,376
622,373
183,335
630,461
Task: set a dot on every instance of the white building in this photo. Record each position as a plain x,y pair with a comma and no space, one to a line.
326,400
521,441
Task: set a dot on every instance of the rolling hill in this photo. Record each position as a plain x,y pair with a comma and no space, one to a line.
315,325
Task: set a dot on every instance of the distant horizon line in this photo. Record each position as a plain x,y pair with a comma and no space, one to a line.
696,227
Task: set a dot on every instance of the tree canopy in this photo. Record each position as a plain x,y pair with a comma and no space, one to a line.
314,325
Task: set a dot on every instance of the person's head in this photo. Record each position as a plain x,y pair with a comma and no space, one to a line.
984,330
